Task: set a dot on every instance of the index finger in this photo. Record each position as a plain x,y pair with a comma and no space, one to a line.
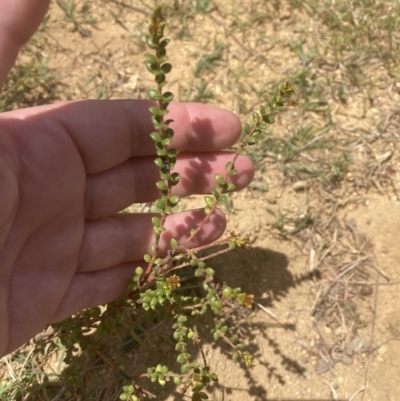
109,132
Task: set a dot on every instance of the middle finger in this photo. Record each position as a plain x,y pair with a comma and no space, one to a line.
134,181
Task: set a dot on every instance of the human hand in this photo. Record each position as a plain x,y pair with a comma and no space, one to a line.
18,21
66,170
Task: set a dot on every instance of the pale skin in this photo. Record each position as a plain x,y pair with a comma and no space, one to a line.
66,170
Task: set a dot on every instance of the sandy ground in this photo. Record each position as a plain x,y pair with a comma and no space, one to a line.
326,322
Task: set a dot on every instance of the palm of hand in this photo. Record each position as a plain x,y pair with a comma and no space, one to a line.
66,172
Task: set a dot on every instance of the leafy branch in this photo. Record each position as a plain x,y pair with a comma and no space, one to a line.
157,292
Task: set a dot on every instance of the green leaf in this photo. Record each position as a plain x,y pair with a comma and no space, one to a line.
159,162
160,78
247,128
168,97
161,185
228,166
230,187
157,111
156,121
161,81
152,68
169,131
219,179
268,119
209,200
232,244
172,153
174,178
166,142
217,305
160,203
174,199
180,346
156,137
226,292
151,58
217,191
256,117
164,43
147,299
161,380
181,359
166,68
153,94
156,221
182,319
152,43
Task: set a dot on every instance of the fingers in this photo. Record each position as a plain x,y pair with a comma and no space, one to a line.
134,181
92,288
88,290
107,133
18,21
126,237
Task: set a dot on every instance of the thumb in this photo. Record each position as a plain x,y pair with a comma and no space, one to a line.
19,19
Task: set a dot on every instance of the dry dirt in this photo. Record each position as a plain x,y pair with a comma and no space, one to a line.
291,345
349,348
